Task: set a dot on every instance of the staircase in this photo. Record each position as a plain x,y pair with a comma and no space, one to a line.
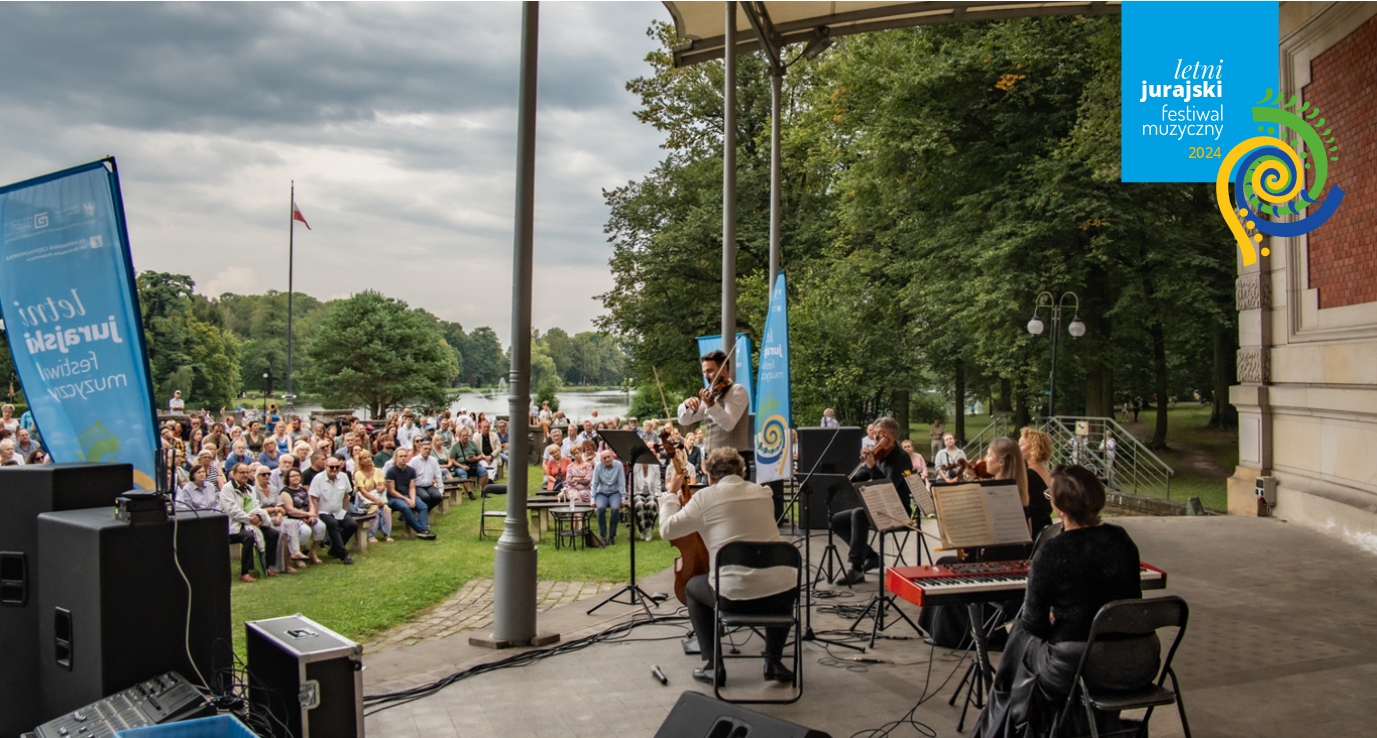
1136,470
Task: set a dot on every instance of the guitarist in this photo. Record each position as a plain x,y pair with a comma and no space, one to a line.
731,509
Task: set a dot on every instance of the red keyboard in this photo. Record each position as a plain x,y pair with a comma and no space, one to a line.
966,583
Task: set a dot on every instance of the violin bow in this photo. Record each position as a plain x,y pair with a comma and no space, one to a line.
663,402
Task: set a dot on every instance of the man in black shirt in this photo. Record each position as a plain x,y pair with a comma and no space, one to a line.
401,495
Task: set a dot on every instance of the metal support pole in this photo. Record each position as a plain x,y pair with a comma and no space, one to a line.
514,563
1056,327
291,265
776,83
729,184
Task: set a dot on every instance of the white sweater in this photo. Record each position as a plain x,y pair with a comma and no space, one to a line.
731,510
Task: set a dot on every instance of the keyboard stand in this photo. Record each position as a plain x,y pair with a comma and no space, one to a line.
979,675
879,603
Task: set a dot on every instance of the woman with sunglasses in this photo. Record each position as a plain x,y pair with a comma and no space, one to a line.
289,539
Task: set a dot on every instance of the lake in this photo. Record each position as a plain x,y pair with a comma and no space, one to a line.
576,405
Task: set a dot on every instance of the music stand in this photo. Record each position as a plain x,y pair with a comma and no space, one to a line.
881,523
832,483
630,448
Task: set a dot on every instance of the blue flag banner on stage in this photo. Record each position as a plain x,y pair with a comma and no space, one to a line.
67,295
773,448
742,360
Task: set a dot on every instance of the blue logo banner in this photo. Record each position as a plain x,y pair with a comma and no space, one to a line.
742,360
1191,74
773,453
67,295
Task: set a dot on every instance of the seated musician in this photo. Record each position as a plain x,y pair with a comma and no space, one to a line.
731,509
1070,578
884,460
950,626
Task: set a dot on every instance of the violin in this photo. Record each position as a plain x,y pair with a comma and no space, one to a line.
883,448
693,553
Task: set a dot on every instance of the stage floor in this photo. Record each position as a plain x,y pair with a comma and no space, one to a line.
1282,641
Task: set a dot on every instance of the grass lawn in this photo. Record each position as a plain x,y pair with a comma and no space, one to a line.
1202,457
920,432
395,581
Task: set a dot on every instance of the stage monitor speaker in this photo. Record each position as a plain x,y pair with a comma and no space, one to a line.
818,488
697,715
25,493
113,608
308,678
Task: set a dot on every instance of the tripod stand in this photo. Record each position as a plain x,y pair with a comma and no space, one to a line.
830,553
630,449
979,675
829,482
883,522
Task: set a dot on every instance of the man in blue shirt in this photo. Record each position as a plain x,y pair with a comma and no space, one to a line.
609,488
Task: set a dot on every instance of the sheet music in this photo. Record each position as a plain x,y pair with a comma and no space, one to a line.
881,500
963,519
922,497
1007,521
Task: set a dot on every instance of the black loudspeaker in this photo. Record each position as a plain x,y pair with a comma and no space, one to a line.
833,451
25,492
818,488
308,678
113,608
697,715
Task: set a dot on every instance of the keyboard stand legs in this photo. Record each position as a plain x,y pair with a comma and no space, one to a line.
979,674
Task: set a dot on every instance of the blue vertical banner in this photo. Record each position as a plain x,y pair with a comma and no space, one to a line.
71,312
1191,74
742,360
773,443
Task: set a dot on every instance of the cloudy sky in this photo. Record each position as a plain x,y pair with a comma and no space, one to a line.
397,121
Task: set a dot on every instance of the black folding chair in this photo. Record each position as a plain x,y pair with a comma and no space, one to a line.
758,556
492,490
1127,618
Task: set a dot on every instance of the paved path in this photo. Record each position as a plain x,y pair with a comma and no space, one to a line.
471,609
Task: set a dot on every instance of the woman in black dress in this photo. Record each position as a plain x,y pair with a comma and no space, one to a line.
1071,577
1036,447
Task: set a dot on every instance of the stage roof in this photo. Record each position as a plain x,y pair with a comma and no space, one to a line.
701,24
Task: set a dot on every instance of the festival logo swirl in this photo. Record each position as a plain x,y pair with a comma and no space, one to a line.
1268,175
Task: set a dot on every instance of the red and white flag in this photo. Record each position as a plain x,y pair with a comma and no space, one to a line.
296,215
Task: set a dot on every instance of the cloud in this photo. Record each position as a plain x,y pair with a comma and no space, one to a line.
397,122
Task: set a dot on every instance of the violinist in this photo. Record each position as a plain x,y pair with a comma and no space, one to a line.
885,460
721,407
732,509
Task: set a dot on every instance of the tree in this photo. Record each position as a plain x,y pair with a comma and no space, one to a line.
185,352
373,351
484,360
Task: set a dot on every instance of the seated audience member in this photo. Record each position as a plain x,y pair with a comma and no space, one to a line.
467,458
239,454
206,460
428,480
268,454
315,467
278,478
39,456
920,466
555,465
556,440
1071,576
578,478
288,529
609,490
401,495
301,506
8,457
331,493
731,509
24,445
246,519
371,487
386,446
198,494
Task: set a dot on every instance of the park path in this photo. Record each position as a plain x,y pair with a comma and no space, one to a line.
471,609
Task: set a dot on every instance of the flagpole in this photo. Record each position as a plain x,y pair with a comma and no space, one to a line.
291,263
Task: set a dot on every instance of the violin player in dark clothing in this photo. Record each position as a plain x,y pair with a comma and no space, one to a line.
884,461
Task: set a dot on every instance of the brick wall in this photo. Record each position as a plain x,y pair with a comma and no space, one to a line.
1343,251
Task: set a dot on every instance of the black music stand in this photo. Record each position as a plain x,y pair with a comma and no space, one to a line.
630,449
882,600
831,483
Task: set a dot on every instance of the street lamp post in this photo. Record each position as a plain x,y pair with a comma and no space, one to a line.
267,390
1076,329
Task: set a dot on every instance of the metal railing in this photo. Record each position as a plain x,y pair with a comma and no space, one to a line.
1132,468
976,447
